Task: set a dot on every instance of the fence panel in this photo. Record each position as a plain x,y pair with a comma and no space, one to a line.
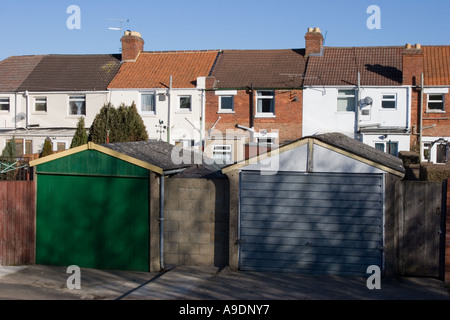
17,222
420,228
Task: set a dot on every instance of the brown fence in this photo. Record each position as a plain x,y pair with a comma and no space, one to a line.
17,222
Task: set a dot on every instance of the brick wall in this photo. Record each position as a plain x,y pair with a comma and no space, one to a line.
442,120
196,220
288,111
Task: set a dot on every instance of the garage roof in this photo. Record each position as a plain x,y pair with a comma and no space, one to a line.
341,144
152,155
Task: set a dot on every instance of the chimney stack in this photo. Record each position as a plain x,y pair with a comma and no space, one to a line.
132,45
412,64
313,41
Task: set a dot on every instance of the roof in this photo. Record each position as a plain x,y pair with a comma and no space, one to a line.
363,150
154,69
163,155
339,66
342,144
14,71
237,69
58,73
72,73
436,65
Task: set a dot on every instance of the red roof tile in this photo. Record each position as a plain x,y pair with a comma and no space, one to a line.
153,70
436,65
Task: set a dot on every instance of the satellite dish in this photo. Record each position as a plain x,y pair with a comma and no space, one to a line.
368,100
20,117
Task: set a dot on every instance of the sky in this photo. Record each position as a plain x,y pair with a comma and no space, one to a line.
48,27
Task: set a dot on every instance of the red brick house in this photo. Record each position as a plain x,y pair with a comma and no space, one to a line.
253,96
427,70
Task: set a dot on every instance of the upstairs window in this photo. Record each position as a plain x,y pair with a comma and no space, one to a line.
148,103
389,101
265,103
226,103
346,101
185,103
40,104
4,104
435,102
77,105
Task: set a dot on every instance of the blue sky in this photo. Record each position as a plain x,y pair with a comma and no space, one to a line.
39,27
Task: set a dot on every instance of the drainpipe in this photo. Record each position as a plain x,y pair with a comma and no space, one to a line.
357,103
169,102
252,106
27,105
161,222
421,117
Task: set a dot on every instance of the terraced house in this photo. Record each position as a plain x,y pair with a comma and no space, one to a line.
44,96
232,104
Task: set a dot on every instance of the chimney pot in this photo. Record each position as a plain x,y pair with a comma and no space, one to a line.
418,46
408,46
313,41
132,45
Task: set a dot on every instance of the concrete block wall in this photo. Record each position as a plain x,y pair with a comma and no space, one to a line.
196,220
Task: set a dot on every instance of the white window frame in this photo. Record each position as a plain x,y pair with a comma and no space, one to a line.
36,102
261,114
4,103
75,97
179,103
346,97
145,112
443,102
224,149
385,99
220,104
385,143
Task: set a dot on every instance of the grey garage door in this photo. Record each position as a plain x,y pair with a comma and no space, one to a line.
311,223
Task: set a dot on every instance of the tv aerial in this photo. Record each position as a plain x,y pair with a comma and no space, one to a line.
121,22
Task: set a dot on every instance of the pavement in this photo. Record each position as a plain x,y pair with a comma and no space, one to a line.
39,282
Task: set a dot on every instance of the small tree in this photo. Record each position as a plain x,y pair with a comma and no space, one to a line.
123,124
47,149
10,149
80,138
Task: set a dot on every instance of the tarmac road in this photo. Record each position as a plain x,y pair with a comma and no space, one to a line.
38,282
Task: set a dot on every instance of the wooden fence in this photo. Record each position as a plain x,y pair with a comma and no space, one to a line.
421,228
17,222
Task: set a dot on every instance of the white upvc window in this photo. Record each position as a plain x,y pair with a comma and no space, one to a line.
265,103
40,104
148,103
222,154
389,101
4,104
346,100
185,103
77,105
435,102
390,147
226,104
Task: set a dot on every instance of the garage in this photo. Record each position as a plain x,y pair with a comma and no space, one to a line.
93,209
313,223
320,205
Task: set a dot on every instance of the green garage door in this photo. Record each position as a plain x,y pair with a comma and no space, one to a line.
311,223
93,221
